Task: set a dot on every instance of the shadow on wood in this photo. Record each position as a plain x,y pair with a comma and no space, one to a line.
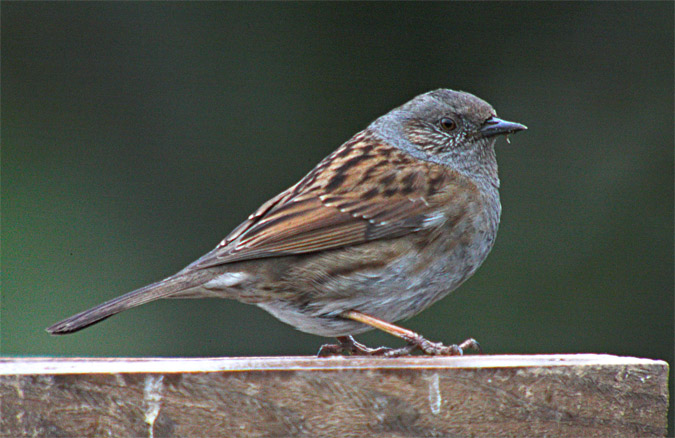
554,395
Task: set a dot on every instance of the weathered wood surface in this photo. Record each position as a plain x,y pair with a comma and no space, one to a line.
545,395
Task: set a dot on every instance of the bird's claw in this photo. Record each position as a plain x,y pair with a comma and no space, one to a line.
347,345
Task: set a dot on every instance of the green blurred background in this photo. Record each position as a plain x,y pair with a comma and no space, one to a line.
135,136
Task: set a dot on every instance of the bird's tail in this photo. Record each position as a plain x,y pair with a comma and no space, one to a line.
151,292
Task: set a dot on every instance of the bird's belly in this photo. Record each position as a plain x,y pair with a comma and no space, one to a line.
414,276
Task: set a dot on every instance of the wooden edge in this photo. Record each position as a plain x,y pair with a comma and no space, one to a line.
557,395
93,365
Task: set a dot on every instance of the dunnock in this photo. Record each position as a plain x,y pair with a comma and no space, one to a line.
391,222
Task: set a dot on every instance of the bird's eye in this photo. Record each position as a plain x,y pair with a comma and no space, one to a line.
447,124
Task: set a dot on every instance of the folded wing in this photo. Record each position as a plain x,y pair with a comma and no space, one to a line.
351,197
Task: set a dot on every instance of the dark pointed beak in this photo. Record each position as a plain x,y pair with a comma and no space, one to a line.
495,126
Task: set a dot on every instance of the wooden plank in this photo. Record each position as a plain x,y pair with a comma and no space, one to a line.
509,395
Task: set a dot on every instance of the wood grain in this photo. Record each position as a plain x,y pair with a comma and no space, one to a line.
544,395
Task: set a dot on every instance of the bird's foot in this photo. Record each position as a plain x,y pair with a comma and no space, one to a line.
347,345
437,349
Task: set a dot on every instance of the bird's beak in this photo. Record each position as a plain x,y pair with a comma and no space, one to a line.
495,126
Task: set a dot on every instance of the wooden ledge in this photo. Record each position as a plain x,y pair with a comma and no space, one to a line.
89,365
501,395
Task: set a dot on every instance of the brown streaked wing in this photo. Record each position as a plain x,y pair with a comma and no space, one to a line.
363,191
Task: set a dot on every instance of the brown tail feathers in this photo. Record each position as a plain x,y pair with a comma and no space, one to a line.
151,292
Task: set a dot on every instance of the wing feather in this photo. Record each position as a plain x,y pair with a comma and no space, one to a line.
364,191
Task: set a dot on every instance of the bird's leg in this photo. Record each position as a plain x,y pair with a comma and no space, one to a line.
413,339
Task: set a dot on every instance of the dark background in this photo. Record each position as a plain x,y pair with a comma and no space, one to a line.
135,136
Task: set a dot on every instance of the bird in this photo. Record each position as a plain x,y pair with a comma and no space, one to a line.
392,221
